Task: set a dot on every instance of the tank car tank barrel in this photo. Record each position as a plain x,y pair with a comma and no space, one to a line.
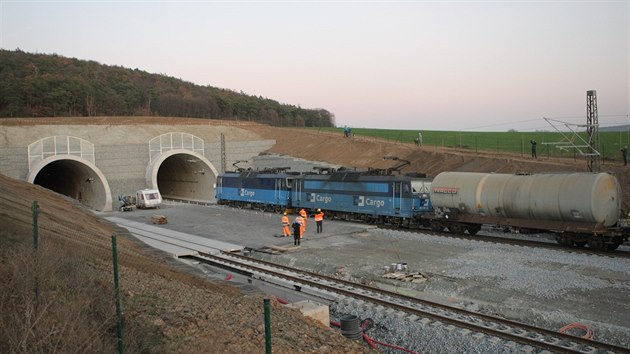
570,197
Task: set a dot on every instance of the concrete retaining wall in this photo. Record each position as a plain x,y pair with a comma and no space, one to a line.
122,158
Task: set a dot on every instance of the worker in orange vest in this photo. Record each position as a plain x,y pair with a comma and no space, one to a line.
319,220
300,220
285,225
304,216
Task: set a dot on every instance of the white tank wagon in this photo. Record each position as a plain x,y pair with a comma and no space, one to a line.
580,208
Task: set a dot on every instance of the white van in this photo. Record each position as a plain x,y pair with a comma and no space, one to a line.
148,198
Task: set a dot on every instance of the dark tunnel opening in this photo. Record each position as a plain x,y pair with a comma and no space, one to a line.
73,179
185,177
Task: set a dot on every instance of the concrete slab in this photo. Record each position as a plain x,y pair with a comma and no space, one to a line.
314,310
253,229
173,242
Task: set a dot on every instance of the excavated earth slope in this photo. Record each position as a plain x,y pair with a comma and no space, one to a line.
363,152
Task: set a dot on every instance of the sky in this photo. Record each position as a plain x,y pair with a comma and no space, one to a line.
421,65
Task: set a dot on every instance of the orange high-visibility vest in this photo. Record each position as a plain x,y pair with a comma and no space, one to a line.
302,223
285,220
303,213
319,216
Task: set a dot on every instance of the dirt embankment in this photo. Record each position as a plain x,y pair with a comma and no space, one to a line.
164,310
362,152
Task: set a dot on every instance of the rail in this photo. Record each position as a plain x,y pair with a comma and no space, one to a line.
493,326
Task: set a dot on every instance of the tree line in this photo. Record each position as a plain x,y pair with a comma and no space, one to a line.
49,85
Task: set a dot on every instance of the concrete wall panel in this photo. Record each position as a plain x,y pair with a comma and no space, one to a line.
121,153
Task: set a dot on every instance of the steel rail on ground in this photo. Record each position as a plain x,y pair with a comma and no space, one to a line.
493,326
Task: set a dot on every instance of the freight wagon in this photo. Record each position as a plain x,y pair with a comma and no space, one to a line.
580,208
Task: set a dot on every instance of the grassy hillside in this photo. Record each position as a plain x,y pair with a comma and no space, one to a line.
548,143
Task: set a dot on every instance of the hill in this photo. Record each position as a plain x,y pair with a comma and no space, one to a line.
41,85
615,128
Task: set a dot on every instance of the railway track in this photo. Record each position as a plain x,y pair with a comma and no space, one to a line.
515,336
515,242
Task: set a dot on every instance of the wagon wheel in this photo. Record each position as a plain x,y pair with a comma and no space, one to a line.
436,226
580,244
564,239
456,228
612,246
596,243
473,229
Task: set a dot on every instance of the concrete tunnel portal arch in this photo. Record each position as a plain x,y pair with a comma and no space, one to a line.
183,175
65,164
74,177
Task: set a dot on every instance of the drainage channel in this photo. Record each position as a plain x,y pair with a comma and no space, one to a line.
334,289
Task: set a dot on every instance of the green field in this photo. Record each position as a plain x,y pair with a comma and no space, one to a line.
514,142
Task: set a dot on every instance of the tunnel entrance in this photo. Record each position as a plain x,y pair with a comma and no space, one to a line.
184,176
74,179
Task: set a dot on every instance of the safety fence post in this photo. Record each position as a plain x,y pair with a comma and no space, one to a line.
35,209
267,327
119,328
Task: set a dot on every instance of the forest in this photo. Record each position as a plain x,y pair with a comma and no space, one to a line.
50,85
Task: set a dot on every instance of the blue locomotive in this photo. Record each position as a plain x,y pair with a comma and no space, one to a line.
347,195
268,191
351,195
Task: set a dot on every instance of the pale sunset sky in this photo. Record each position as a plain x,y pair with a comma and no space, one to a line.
430,65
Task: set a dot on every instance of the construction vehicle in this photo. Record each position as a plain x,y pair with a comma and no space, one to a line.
127,202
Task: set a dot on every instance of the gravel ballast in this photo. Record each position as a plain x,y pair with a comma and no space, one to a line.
540,287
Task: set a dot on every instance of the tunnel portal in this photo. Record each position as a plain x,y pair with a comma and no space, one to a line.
74,179
184,176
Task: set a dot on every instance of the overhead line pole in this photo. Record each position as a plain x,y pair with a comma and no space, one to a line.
592,131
